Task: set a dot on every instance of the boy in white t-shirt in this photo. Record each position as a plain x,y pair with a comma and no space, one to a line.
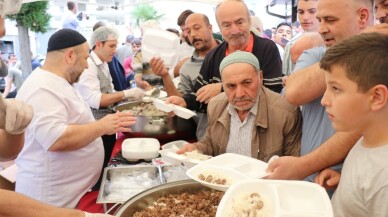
356,99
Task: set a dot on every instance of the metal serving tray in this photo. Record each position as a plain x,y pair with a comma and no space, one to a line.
110,172
146,198
159,173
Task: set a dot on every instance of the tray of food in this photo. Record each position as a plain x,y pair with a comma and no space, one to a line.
180,198
275,198
121,183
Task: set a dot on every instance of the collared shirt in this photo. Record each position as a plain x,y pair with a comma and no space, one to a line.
277,128
89,84
249,47
240,136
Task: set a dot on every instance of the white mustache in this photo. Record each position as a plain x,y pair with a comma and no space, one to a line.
246,98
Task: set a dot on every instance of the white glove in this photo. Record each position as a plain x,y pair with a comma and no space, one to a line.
8,7
97,215
136,93
15,115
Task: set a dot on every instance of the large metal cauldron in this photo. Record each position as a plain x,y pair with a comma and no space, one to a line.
147,197
164,128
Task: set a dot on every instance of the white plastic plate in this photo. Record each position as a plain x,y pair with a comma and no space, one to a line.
161,105
281,198
183,112
175,145
247,165
233,176
163,94
169,156
179,111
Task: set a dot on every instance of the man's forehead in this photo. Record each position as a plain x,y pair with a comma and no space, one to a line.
193,22
231,15
110,42
284,27
193,18
311,4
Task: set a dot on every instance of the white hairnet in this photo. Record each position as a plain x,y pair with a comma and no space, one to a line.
103,33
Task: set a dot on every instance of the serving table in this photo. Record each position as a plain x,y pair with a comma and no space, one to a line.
88,202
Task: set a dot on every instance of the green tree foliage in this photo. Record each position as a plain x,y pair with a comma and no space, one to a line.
144,12
33,16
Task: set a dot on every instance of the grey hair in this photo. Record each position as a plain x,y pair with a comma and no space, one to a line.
103,33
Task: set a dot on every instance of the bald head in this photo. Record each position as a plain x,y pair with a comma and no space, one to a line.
232,5
200,33
197,16
306,41
340,20
234,21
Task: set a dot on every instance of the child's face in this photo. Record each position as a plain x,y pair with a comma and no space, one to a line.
345,105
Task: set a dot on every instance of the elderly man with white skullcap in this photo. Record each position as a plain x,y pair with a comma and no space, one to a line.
248,118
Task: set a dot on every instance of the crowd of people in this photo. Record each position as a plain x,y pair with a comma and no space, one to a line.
315,98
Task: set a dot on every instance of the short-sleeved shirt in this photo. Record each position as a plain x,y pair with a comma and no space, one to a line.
363,188
70,21
16,77
55,178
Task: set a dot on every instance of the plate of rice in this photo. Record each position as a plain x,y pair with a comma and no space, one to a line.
275,198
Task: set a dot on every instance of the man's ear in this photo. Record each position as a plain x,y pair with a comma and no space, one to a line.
261,77
379,97
98,45
70,56
364,16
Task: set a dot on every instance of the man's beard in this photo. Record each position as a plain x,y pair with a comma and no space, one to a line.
245,107
202,46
